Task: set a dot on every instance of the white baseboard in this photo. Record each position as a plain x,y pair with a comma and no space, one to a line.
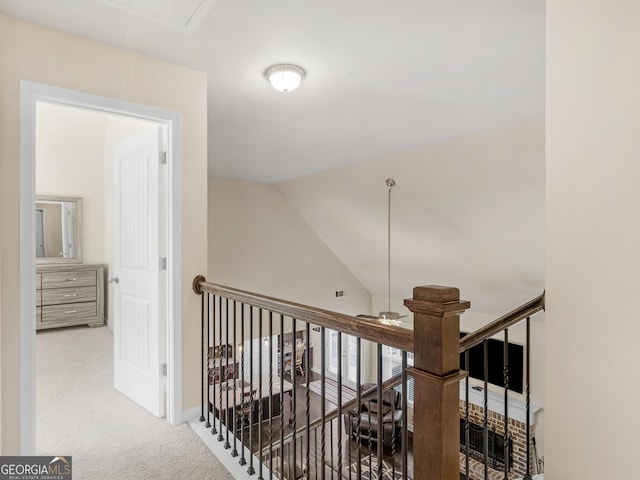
223,454
191,414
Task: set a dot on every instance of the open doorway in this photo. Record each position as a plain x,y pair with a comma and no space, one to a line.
120,120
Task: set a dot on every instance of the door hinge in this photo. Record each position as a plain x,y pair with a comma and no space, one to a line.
163,263
163,370
163,158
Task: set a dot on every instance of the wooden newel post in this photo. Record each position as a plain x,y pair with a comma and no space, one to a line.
436,428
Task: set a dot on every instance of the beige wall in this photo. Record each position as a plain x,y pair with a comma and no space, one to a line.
592,239
69,158
29,52
258,242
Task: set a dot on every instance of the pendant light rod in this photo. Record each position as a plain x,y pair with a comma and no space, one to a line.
390,184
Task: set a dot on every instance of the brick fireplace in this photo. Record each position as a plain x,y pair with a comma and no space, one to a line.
517,433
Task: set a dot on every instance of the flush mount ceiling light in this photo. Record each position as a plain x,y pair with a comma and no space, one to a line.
284,77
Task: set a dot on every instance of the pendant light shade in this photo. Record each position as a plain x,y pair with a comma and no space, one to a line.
284,77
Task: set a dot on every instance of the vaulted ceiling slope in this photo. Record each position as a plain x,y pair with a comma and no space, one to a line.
381,76
467,213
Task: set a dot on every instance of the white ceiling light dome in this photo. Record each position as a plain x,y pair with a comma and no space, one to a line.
284,77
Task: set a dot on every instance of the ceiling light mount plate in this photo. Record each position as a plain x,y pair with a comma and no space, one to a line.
284,77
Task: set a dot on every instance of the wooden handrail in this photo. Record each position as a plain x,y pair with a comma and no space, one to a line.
390,335
517,315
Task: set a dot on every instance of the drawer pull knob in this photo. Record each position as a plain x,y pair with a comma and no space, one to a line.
70,279
71,311
70,295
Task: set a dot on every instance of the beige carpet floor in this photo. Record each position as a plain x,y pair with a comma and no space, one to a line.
79,413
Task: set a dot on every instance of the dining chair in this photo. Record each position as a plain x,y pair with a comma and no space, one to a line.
299,359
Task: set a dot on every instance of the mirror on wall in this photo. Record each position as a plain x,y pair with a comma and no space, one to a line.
58,229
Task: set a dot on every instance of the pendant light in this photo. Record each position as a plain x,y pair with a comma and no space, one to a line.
389,317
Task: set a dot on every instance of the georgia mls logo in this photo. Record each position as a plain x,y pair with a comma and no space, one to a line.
35,468
64,464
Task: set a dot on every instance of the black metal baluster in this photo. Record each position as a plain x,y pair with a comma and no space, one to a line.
379,414
528,398
405,420
331,448
270,343
393,433
358,407
212,362
369,437
242,460
505,441
315,450
307,374
208,423
260,407
220,372
486,410
202,364
234,344
252,470
281,393
323,363
226,374
293,411
339,394
466,415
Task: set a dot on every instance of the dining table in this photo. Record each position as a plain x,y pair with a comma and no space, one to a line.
225,398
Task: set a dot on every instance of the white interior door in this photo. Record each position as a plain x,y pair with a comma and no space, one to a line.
137,326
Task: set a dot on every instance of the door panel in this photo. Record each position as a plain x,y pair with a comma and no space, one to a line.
137,331
346,360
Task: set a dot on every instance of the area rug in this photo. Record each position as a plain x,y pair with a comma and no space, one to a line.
331,390
369,469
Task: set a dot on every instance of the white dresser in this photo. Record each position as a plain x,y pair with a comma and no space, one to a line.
69,294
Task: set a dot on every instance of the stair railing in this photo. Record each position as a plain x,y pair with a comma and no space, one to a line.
496,448
281,436
243,348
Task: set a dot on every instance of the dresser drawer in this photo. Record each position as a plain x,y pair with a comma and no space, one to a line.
56,296
77,311
78,278
69,294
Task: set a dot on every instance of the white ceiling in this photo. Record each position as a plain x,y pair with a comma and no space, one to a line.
440,95
382,76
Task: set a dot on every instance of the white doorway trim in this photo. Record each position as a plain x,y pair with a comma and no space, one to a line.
30,94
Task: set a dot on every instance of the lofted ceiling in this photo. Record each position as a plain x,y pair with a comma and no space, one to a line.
404,89
381,76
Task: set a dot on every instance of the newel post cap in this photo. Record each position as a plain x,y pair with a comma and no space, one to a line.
436,299
436,293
